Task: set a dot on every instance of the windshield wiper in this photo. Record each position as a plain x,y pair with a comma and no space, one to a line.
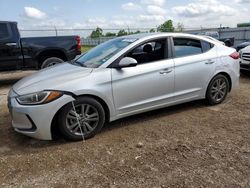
79,63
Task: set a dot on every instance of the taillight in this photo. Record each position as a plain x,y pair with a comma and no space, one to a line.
235,55
78,40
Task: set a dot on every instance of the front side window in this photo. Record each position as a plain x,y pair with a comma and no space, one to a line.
149,52
3,31
186,47
102,53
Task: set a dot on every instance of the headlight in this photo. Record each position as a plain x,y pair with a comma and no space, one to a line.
42,97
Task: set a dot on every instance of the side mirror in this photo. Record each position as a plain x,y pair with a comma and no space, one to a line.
127,62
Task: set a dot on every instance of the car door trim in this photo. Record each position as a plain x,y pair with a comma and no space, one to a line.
209,62
166,71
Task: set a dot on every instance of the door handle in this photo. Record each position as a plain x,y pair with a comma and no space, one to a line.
209,62
166,71
11,44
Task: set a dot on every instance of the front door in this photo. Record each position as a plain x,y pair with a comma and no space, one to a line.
147,86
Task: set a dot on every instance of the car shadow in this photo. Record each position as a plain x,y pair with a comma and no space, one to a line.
8,82
21,143
10,78
151,115
244,74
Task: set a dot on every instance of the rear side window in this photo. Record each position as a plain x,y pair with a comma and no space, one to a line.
186,47
206,46
3,31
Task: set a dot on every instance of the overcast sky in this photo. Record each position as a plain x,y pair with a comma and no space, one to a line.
124,13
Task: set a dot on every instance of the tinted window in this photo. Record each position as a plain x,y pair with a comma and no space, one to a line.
186,47
149,51
3,31
206,46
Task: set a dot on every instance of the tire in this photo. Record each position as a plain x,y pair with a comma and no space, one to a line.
88,109
48,62
217,90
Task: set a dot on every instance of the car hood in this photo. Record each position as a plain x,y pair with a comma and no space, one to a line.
244,44
246,49
50,78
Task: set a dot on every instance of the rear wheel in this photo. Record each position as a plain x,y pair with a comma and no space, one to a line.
86,119
51,61
217,90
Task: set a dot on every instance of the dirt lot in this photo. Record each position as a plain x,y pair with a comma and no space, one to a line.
190,145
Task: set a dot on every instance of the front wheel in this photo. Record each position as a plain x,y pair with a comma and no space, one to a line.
85,119
217,90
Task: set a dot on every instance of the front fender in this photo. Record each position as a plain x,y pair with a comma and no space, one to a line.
108,99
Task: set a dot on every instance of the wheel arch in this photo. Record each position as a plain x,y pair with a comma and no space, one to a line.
224,74
54,129
47,53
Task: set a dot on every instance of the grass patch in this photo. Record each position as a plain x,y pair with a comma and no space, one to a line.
86,48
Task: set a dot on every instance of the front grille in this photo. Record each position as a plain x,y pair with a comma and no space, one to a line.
246,56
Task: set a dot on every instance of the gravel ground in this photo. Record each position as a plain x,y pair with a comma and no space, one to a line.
190,145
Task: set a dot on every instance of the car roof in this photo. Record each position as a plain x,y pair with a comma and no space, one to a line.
166,34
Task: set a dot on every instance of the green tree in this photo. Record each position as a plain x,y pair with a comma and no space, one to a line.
97,33
137,32
110,34
152,30
166,26
180,27
122,33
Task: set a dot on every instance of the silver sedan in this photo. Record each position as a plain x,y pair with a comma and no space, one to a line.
122,77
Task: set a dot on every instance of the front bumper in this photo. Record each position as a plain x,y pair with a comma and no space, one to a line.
245,65
35,121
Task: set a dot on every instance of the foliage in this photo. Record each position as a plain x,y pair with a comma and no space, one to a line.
137,32
98,32
152,30
166,26
122,33
110,34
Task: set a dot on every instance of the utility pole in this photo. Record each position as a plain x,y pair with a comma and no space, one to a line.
56,31
128,29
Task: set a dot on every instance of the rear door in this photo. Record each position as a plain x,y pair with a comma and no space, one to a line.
195,62
148,85
10,51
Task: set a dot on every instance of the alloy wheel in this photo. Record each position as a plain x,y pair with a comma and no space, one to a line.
219,89
82,120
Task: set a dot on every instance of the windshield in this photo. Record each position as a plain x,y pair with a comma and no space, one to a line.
102,53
